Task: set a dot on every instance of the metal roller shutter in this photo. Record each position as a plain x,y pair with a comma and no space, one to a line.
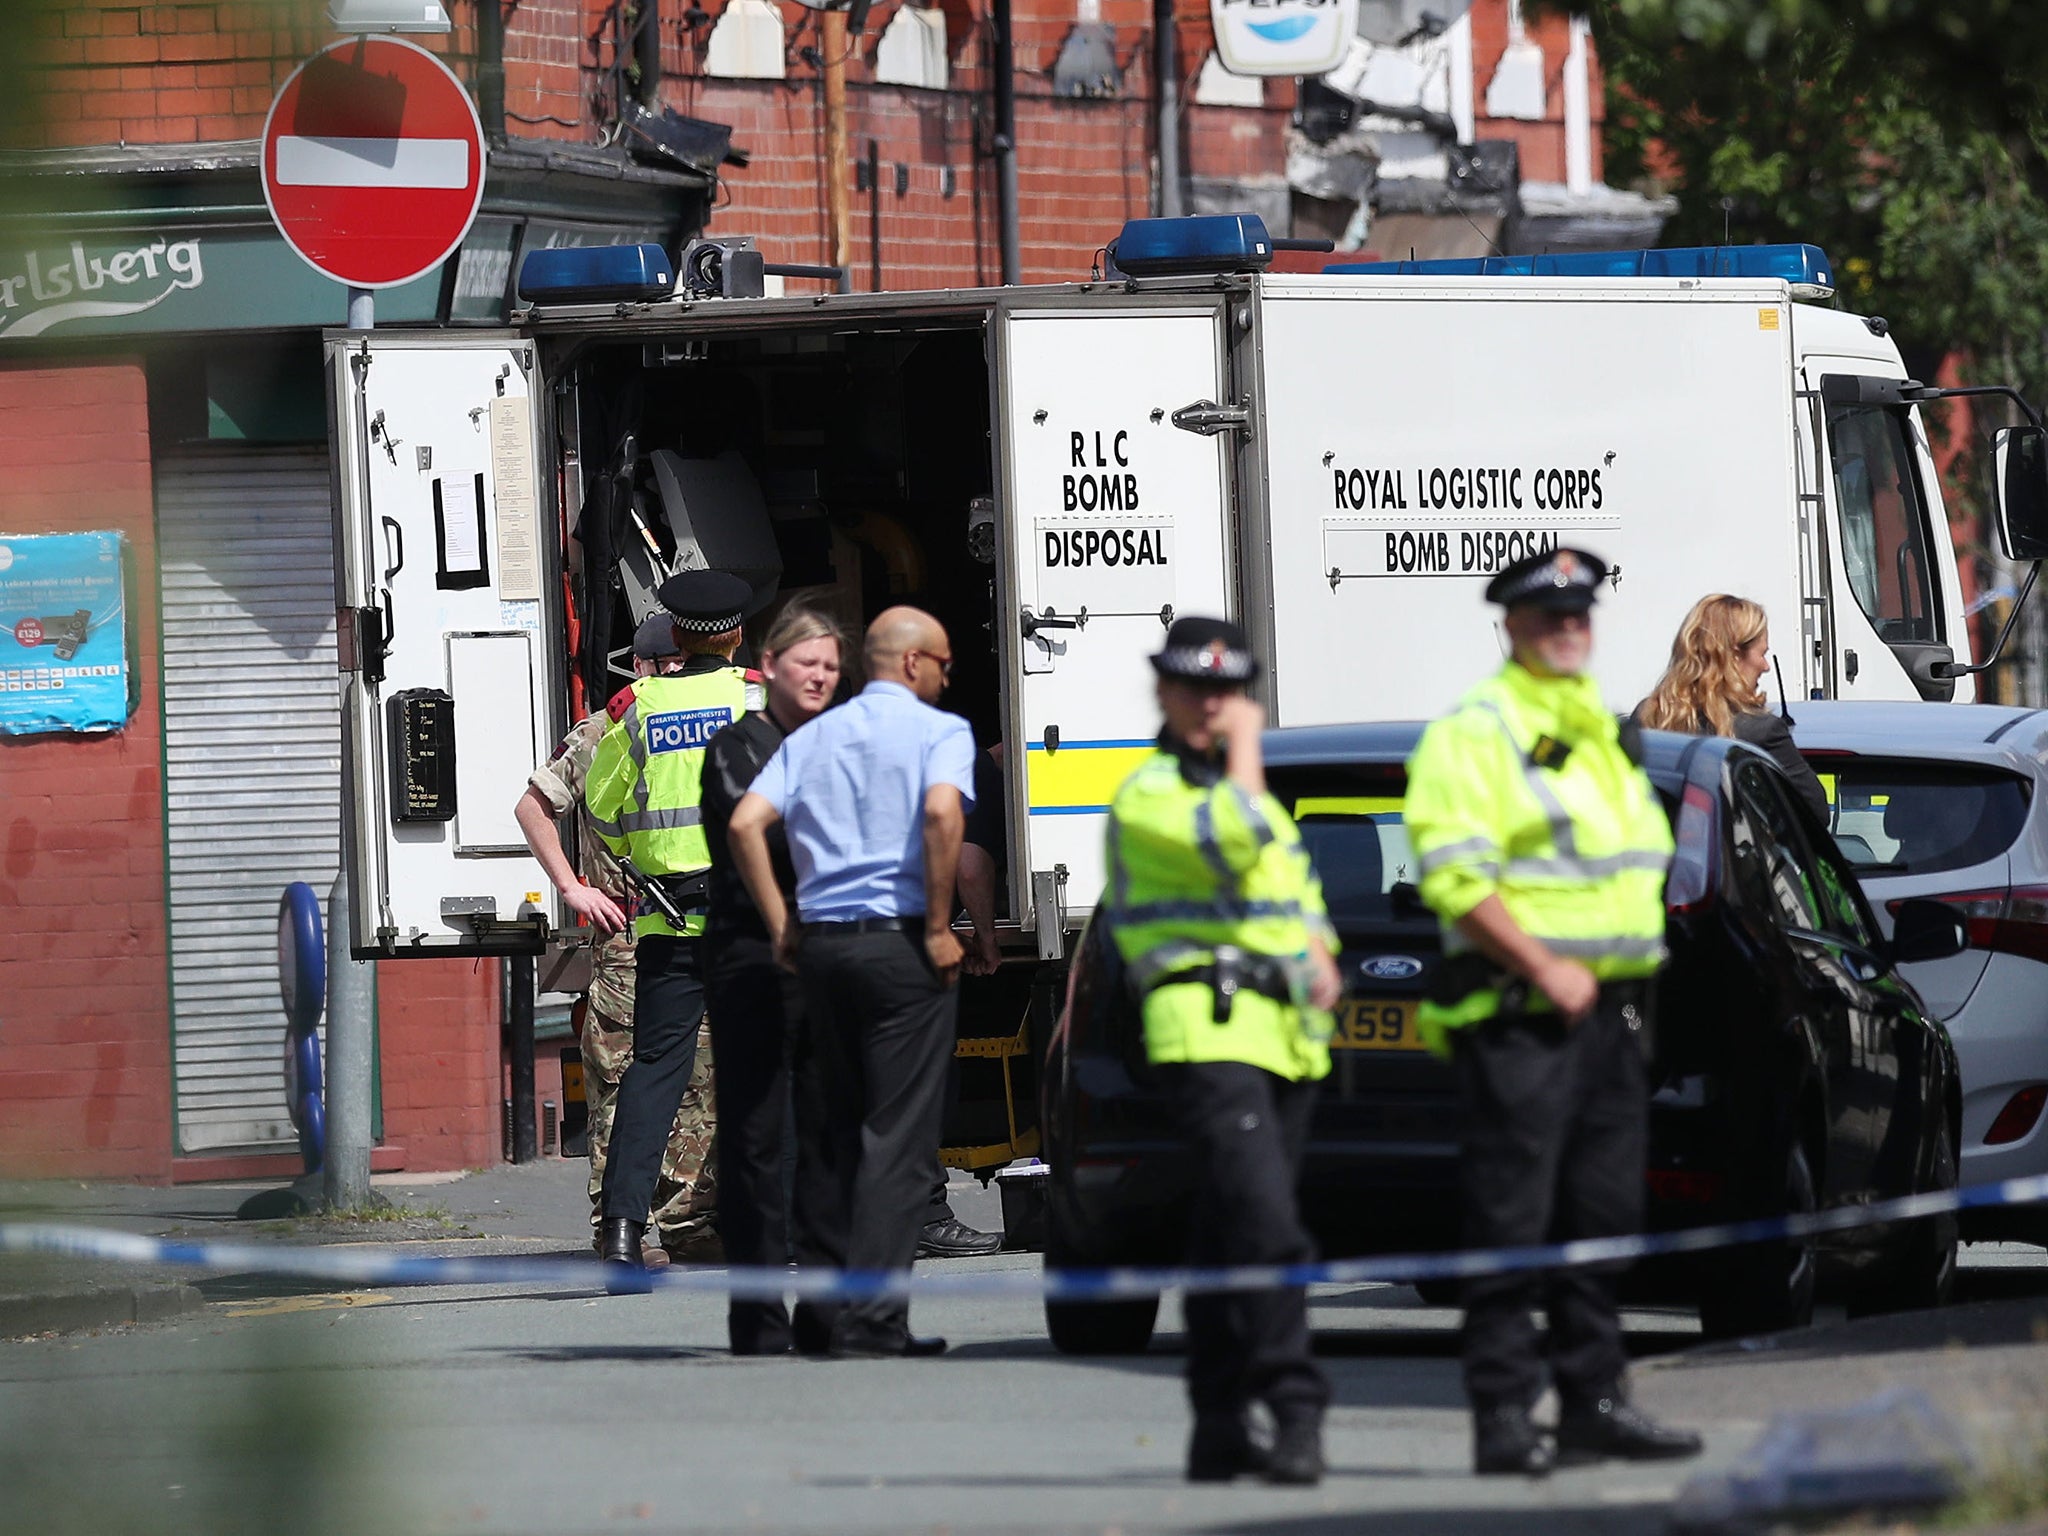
252,766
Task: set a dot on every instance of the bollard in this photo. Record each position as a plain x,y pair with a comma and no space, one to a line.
351,1020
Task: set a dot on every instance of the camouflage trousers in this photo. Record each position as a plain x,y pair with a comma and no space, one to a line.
685,1203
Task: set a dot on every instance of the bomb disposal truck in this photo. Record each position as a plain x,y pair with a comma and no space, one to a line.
1337,460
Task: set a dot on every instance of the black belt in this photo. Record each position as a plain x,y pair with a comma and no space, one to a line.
911,924
1231,972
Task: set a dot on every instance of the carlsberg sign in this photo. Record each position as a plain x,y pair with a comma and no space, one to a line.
1283,37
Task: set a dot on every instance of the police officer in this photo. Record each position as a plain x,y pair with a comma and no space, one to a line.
643,795
1543,850
1220,923
683,1209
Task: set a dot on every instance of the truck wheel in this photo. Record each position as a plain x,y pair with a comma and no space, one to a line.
1101,1327
1920,1270
1122,1327
1766,1287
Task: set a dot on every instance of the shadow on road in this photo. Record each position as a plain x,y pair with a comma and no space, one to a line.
1973,1325
611,1354
1595,1519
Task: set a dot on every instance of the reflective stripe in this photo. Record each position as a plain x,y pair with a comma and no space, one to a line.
1563,836
608,828
661,821
1586,869
1222,910
1164,959
636,750
1262,829
1205,839
1460,852
1616,948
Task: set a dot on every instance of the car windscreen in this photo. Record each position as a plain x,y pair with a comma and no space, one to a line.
1350,820
1892,817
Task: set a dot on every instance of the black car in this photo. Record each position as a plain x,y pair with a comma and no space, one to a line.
1791,1068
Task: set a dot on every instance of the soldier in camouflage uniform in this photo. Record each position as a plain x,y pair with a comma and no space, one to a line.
686,1198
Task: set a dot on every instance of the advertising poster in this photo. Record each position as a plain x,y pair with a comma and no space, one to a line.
63,634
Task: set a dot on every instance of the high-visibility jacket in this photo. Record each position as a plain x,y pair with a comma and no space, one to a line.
1525,793
645,783
1196,862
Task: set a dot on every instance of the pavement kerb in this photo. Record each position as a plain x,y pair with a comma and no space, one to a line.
96,1307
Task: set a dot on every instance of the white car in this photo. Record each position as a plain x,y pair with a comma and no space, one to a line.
1951,801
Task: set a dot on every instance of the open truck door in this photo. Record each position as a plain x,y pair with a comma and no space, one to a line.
1116,520
447,586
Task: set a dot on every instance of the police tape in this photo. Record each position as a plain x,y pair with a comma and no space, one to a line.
377,1267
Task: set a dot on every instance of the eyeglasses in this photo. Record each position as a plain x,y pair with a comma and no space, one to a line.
945,663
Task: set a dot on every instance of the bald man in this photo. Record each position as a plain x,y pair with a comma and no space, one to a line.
874,797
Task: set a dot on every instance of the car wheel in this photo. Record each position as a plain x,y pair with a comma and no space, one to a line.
1766,1287
1920,1270
1121,1327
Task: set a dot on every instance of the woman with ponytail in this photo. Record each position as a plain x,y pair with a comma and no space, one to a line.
1714,687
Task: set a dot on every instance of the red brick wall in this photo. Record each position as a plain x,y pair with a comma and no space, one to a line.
85,1076
438,1035
1541,144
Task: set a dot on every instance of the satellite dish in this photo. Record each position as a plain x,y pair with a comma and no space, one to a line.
1390,23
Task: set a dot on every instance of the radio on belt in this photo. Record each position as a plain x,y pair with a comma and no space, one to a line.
422,724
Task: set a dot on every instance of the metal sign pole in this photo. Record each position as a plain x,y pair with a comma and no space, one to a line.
351,1022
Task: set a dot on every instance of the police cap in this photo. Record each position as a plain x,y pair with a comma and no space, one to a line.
705,602
655,638
1563,579
1200,650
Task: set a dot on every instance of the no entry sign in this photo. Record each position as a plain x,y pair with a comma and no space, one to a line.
373,162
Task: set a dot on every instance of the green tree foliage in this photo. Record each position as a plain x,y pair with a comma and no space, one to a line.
1935,219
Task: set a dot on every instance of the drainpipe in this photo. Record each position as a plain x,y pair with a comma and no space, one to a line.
490,68
1166,72
647,54
1004,67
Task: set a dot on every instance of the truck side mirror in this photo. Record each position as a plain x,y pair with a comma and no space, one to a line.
2020,478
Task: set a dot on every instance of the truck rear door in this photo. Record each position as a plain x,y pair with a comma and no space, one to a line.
447,578
1115,520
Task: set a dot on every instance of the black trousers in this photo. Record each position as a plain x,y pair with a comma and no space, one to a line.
668,1008
1556,1126
767,1068
1249,1129
884,1023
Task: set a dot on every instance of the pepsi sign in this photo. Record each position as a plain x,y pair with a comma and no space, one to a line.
685,730
1283,37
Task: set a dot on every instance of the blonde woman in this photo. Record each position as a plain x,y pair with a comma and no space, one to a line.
1714,687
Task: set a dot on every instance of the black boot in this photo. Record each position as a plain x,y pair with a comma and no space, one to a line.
1297,1454
1589,1432
1222,1448
625,1272
1504,1441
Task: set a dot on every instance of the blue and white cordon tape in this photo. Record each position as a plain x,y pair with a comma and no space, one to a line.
368,1267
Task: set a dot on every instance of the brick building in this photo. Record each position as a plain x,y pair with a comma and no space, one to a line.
161,376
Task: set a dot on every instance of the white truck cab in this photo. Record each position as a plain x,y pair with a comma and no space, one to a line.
1339,461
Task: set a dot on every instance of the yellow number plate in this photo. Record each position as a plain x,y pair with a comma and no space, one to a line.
1375,1024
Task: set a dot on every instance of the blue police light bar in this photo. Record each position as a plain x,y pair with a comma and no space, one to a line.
1208,242
1805,267
590,274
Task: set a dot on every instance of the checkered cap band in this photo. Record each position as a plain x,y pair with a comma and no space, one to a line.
1220,663
717,624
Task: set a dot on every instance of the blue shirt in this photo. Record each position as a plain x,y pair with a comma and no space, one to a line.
850,788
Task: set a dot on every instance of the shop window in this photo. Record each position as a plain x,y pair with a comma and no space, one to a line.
913,49
746,43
